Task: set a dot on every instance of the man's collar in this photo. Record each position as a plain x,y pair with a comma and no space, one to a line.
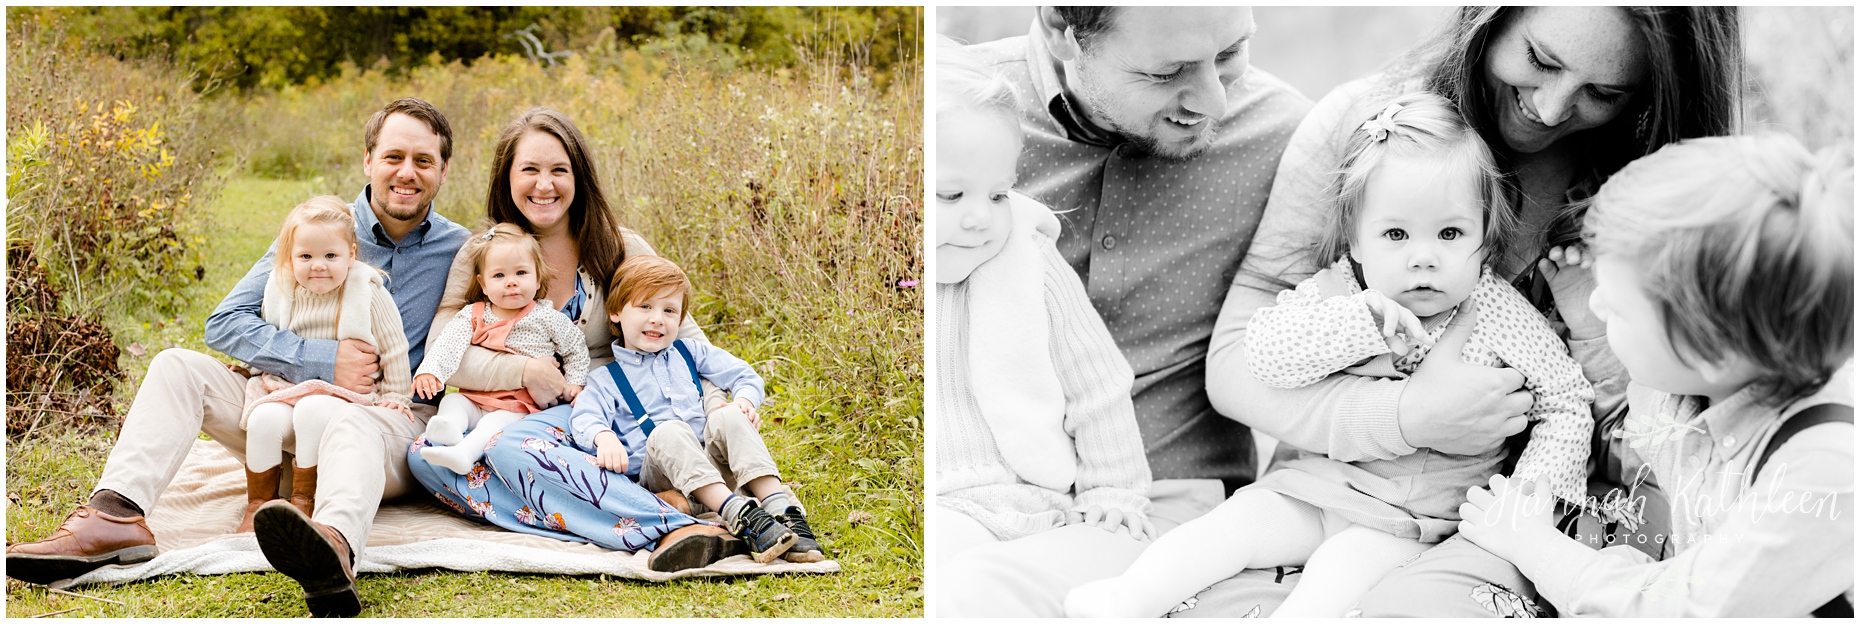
1049,87
367,224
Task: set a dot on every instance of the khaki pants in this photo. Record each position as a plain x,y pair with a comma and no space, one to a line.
732,454
363,455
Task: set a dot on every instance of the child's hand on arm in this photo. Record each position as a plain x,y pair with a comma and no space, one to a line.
749,410
1511,517
1393,316
1140,526
571,391
610,453
426,385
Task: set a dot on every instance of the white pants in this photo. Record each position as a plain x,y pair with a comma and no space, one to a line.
185,393
274,426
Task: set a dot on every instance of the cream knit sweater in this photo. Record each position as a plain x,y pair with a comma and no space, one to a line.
313,316
974,478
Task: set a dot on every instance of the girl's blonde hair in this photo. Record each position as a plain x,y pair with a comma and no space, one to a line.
479,246
321,210
1746,245
963,82
1426,125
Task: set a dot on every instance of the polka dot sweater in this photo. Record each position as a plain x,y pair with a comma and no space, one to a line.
1323,326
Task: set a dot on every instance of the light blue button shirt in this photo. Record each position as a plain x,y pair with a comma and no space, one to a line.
663,384
416,267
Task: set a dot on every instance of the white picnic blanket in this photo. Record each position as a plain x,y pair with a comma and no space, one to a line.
194,521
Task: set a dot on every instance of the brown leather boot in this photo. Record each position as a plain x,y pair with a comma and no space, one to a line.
694,546
303,489
676,500
88,539
315,555
260,488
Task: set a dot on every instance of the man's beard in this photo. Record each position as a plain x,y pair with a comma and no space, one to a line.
409,215
1144,145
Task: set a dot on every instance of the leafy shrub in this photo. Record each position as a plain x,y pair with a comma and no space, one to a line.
105,169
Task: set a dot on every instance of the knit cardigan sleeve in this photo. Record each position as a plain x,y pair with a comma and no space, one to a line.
396,385
1113,472
1559,444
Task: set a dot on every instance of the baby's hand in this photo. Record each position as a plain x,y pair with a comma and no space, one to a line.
571,391
1569,273
1393,316
1140,527
610,453
426,385
749,410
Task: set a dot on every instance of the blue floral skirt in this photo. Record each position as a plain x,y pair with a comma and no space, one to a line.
532,480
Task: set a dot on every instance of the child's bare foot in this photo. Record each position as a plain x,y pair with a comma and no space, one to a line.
455,458
1108,598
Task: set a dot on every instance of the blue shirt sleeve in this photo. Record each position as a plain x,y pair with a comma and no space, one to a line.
589,417
727,371
238,328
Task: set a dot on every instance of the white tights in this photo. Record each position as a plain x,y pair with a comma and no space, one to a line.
456,415
273,425
1254,529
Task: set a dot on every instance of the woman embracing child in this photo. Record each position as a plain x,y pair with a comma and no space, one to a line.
507,313
1724,272
318,290
1420,217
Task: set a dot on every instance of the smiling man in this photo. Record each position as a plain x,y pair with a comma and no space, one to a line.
407,147
1155,143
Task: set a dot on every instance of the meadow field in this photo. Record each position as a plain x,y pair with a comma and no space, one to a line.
139,192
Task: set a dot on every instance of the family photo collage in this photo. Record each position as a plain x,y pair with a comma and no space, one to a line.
929,311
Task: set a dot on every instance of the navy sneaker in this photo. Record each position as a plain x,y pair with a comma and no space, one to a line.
806,549
766,537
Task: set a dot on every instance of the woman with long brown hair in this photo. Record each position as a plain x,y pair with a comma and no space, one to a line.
543,180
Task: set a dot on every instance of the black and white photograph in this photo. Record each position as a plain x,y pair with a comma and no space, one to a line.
1391,312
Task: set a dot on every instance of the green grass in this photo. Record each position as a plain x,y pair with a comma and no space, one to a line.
812,435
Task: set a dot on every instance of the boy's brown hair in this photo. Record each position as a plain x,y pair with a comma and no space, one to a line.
1746,244
643,277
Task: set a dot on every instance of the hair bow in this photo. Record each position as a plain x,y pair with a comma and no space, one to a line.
1380,127
488,234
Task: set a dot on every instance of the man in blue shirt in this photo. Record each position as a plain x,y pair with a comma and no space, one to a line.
408,148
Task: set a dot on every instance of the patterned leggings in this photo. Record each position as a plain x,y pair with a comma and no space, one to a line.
533,481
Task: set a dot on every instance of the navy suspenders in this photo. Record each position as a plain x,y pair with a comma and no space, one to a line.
632,398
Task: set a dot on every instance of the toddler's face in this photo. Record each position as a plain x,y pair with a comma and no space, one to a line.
1418,234
975,157
652,324
508,276
320,257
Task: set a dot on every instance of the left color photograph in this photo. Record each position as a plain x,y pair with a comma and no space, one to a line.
465,311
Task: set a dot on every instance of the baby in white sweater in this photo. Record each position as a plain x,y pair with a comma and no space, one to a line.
1035,428
507,314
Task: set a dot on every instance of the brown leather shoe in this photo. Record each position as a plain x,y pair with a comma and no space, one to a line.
694,546
88,539
676,500
315,555
260,488
303,489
